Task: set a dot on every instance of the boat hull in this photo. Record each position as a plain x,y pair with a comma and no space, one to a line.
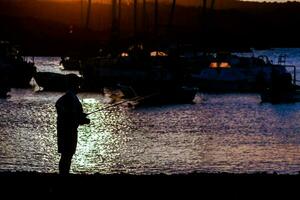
180,95
49,81
280,97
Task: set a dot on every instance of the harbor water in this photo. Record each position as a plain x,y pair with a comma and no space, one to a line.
233,133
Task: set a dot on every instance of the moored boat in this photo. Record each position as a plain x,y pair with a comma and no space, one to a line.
231,73
140,72
15,71
70,63
48,81
179,95
281,90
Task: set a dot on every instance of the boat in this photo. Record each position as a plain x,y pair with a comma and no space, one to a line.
280,90
172,95
140,72
276,97
3,91
70,63
232,73
153,95
49,81
15,71
5,83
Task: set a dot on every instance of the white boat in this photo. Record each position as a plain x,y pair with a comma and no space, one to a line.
230,73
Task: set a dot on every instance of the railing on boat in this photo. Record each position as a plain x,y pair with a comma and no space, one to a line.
294,68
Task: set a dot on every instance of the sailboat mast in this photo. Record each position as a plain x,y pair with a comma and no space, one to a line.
202,13
172,14
81,13
212,5
114,11
204,5
135,16
114,18
144,15
88,14
156,17
119,15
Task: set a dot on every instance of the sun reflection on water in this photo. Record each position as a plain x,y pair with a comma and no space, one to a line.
99,143
232,133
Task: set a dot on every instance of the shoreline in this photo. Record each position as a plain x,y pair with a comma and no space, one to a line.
118,185
24,174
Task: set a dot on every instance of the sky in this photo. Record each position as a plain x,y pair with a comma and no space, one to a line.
187,0
272,0
197,0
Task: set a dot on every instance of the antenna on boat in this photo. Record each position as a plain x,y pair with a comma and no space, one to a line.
252,51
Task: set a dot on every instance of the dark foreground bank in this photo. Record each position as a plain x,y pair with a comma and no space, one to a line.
120,185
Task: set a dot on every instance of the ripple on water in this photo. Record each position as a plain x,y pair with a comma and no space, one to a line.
221,133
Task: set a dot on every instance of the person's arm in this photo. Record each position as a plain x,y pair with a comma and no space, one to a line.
77,114
83,119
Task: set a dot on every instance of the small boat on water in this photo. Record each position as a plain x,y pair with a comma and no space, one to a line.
5,82
277,97
231,73
70,63
3,91
179,95
152,96
49,81
140,72
15,71
281,90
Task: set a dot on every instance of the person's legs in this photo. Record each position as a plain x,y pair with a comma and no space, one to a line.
65,163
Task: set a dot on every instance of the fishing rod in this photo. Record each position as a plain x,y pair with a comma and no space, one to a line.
113,105
138,98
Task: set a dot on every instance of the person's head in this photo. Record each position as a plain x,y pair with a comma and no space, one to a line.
73,83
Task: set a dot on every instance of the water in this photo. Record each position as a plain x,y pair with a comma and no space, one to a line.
220,133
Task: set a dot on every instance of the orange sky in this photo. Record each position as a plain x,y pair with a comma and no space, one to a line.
185,2
182,2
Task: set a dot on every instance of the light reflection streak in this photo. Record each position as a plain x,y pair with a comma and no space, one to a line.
232,133
99,143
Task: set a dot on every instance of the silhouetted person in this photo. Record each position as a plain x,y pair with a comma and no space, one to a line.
69,116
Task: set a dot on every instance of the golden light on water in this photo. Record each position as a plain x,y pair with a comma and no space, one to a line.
223,133
99,143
